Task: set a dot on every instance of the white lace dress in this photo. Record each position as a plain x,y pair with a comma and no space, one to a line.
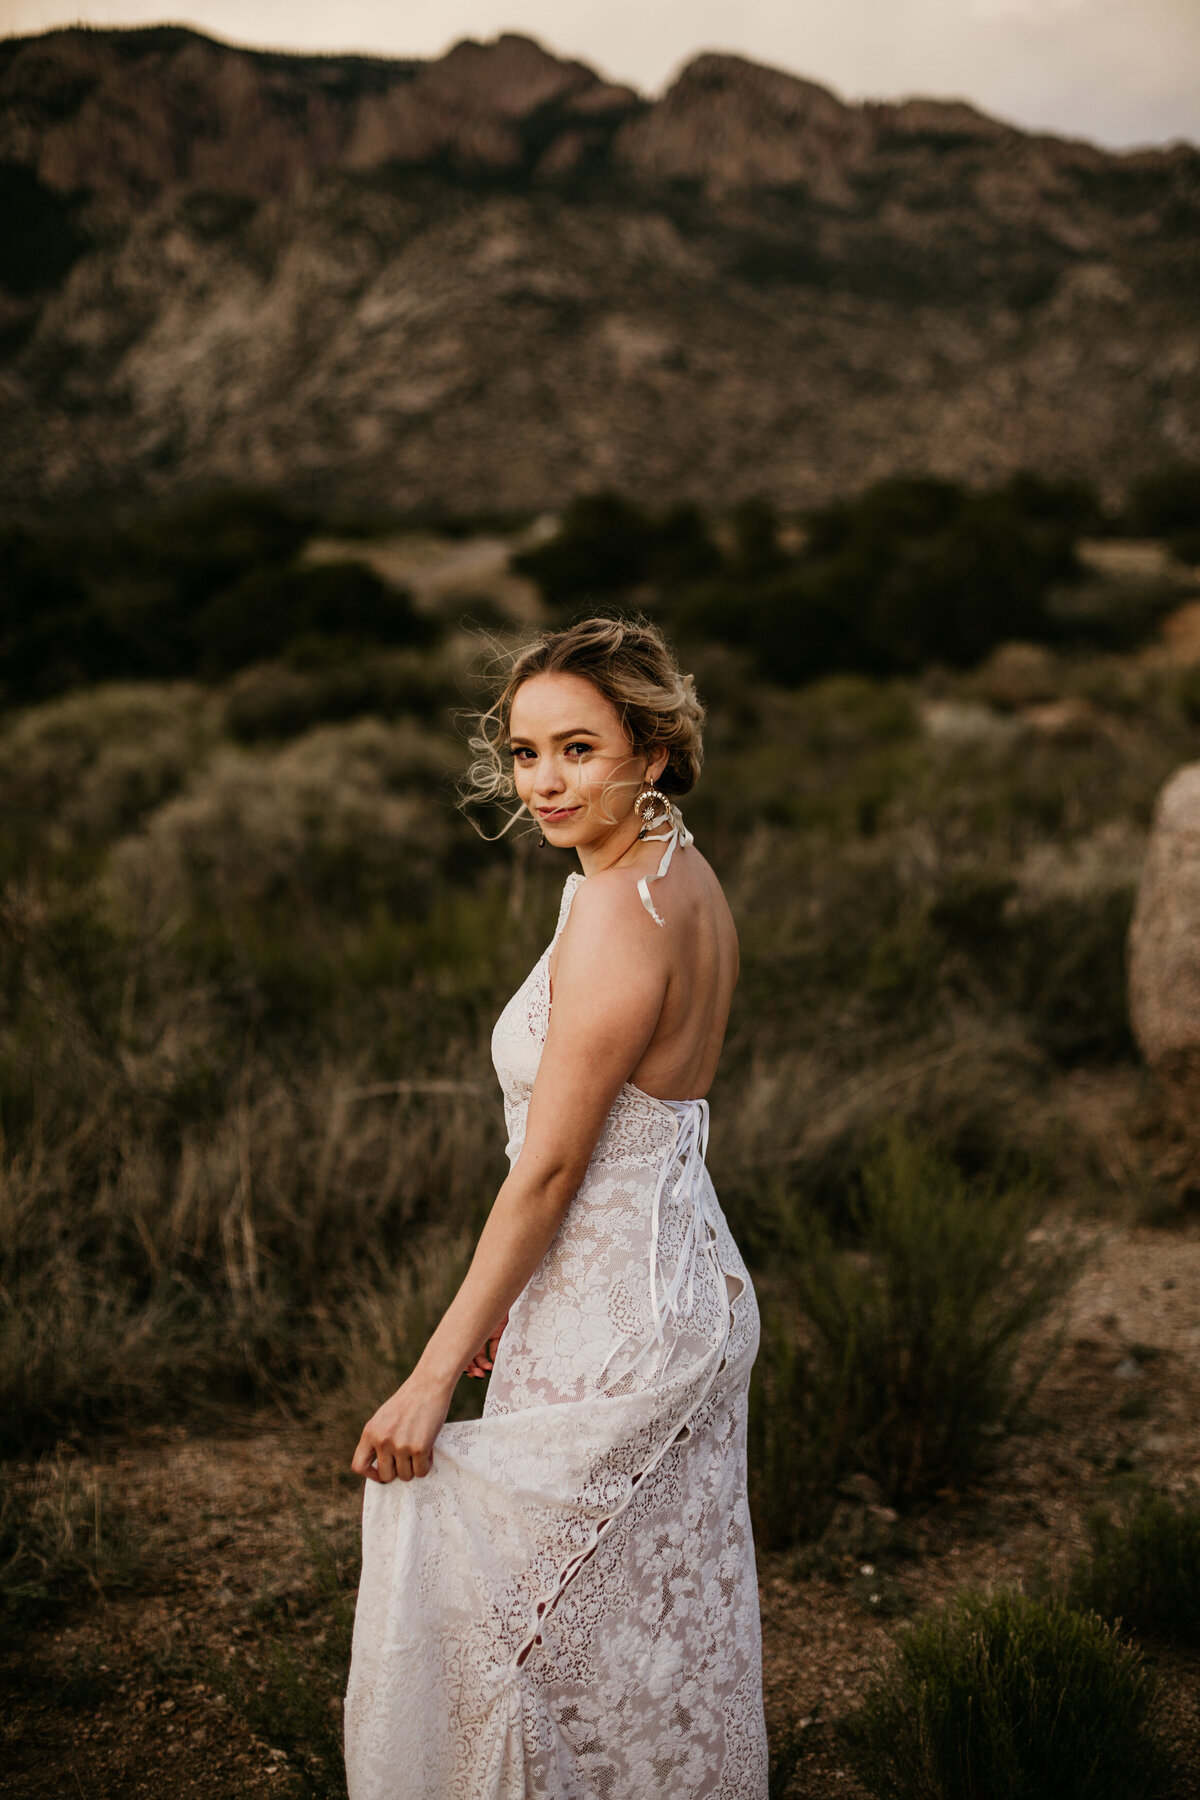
566,1606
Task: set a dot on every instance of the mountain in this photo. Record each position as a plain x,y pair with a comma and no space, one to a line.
485,282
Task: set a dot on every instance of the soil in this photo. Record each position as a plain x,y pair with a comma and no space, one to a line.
118,1696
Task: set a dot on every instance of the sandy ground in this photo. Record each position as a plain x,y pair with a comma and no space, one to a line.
118,1699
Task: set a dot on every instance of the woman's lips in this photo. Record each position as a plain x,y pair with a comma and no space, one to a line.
555,815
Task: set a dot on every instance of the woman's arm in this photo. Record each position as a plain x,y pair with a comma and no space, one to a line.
608,997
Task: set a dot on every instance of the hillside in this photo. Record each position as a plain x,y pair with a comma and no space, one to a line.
486,282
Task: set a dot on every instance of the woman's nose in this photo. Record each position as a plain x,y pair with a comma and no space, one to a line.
548,779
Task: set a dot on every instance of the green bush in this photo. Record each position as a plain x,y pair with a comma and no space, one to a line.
84,768
606,545
337,605
1185,546
1071,505
1015,1697
791,1440
281,700
918,1327
913,571
1143,1566
1167,502
204,588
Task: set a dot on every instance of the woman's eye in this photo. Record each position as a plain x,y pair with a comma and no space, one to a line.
584,747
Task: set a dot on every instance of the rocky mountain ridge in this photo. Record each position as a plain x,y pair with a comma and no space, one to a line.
490,280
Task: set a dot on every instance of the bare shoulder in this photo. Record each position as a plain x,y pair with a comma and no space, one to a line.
607,912
608,909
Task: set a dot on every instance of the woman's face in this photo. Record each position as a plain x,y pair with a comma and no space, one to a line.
574,767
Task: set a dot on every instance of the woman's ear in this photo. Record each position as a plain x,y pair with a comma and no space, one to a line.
655,765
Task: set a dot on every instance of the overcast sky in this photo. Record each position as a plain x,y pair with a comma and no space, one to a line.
1122,71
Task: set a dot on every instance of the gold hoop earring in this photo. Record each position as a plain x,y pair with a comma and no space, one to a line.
649,804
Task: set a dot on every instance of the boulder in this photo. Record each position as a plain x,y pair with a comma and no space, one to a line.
1164,947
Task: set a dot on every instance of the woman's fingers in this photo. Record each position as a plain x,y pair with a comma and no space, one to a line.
397,1442
390,1462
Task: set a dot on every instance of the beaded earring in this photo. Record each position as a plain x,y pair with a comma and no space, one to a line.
649,805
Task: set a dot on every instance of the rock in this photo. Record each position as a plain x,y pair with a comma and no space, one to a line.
1017,675
1164,948
1069,721
727,123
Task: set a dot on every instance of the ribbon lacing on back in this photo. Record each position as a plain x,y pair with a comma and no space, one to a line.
676,833
674,1295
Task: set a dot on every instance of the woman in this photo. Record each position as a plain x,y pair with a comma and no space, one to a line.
559,1599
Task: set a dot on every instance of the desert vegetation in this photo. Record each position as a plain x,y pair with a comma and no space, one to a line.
251,954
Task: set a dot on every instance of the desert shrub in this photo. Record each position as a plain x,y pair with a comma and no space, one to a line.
913,571
756,551
792,1439
273,700
51,635
932,573
918,1329
606,545
1142,1566
1167,502
205,587
331,608
86,768
1073,506
343,812
204,546
1009,1695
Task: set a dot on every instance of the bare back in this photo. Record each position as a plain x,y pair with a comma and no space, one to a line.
699,946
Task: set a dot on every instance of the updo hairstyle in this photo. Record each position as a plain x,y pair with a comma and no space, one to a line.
630,663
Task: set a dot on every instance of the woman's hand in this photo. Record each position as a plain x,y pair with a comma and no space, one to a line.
485,1356
398,1440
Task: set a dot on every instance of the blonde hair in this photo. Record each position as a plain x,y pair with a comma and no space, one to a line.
628,661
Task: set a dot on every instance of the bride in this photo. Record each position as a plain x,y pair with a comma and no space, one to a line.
559,1599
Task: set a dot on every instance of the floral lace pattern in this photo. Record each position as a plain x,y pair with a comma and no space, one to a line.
566,1606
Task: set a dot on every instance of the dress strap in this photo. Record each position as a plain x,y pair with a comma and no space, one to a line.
676,833
570,889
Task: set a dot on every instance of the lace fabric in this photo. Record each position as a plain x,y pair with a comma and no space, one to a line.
566,1606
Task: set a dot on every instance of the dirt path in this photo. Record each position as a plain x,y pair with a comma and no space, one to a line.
122,1696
